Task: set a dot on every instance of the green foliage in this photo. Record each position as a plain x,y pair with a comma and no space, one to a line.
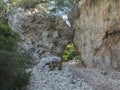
12,71
22,79
2,9
70,53
8,39
12,63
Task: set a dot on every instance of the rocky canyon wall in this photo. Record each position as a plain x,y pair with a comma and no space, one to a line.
43,37
97,32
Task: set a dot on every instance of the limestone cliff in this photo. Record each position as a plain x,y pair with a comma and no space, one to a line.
97,32
41,35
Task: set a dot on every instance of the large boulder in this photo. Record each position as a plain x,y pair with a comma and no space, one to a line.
97,32
40,34
50,63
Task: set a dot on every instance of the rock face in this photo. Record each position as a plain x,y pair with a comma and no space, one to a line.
97,32
40,34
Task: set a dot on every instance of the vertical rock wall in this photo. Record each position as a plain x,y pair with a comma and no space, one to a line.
97,32
41,35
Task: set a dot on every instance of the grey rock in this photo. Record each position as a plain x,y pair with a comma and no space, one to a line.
50,63
40,34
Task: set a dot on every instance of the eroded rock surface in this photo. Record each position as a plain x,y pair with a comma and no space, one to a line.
40,34
97,32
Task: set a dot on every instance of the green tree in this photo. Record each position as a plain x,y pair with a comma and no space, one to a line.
8,39
12,63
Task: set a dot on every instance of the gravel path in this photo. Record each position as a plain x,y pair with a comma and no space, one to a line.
72,77
98,79
56,80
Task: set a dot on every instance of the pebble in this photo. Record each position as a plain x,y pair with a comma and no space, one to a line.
56,80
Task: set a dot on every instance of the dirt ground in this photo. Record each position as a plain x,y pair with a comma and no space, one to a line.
98,79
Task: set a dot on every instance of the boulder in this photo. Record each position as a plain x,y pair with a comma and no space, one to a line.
50,63
97,32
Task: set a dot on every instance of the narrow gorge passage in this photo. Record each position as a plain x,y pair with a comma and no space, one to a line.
96,37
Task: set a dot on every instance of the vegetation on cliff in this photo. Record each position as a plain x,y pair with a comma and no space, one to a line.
70,53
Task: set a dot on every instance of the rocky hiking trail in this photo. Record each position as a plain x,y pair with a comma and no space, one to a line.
96,78
63,79
74,77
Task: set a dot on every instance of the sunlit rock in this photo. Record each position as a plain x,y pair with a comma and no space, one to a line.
97,32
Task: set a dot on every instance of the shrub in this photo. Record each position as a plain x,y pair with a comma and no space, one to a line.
8,39
12,63
70,53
